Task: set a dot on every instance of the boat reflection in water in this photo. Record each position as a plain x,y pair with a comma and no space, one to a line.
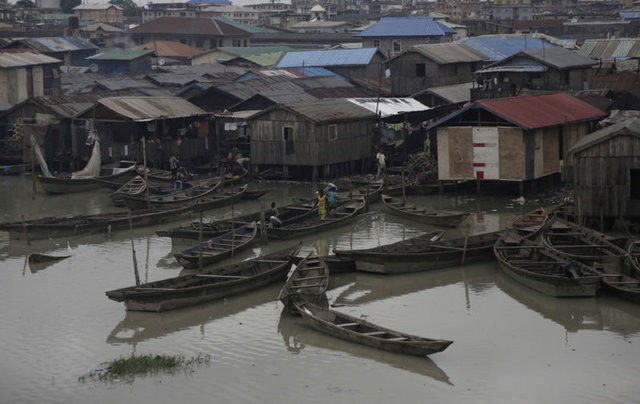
297,335
574,314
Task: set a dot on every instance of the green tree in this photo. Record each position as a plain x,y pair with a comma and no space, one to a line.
68,5
131,9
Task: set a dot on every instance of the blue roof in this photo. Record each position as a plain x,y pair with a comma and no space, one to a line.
630,15
498,47
406,26
332,57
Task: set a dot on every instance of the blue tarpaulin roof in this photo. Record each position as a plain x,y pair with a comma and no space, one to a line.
406,26
333,57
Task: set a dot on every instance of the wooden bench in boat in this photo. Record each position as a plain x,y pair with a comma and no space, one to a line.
221,276
374,333
310,268
398,339
347,324
315,285
308,278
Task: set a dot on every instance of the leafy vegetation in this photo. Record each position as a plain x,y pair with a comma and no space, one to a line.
128,368
131,9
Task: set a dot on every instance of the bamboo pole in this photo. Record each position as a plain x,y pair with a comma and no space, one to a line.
133,251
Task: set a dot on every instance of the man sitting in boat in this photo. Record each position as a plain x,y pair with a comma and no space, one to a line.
273,218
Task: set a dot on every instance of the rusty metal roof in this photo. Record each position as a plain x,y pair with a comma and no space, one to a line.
141,109
189,26
534,111
20,59
609,49
539,111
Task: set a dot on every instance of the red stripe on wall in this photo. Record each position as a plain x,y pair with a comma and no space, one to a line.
479,164
479,145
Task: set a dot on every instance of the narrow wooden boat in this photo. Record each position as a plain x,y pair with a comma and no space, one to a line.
197,191
423,254
543,269
617,282
218,248
370,190
37,258
308,283
343,214
68,226
632,262
67,184
445,218
360,331
209,285
580,243
213,228
137,186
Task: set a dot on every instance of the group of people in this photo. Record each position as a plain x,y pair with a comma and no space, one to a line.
327,201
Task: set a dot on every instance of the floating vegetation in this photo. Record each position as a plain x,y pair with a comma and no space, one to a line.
128,368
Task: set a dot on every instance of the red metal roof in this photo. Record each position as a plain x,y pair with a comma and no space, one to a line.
539,111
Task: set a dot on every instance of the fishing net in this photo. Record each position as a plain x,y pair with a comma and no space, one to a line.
92,169
40,158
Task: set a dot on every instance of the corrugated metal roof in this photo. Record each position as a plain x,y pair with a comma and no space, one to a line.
329,110
245,27
389,106
499,47
169,49
20,59
535,111
290,72
550,110
560,58
264,59
96,6
141,109
406,26
608,49
443,53
189,26
331,57
515,66
58,44
124,54
453,94
628,127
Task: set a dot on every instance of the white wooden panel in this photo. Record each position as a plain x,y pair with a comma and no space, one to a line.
485,153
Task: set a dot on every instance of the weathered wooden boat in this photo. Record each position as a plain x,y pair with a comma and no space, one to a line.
254,194
580,243
137,186
209,285
363,332
68,184
198,191
209,229
218,248
343,214
632,262
423,253
445,218
68,226
617,282
370,190
397,189
307,282
541,268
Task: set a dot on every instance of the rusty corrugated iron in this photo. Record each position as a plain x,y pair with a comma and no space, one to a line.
141,109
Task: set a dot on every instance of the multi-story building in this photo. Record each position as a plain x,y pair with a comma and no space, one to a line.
101,12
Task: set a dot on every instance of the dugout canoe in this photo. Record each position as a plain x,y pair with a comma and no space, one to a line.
444,218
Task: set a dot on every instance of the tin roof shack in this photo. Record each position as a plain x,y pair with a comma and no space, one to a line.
168,124
545,69
606,176
120,61
394,34
72,51
25,74
515,139
424,66
311,140
350,63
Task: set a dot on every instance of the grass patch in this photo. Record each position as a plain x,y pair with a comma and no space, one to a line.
128,368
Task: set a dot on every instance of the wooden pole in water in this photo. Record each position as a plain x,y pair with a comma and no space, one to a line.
403,193
466,240
133,251
33,169
200,240
26,232
144,170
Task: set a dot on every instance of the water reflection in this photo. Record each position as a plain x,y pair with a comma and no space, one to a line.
141,326
366,288
297,336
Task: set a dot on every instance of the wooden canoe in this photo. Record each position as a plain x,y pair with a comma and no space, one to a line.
198,191
445,218
580,243
618,283
632,262
218,248
66,184
209,285
423,254
541,268
343,214
307,282
360,331
213,228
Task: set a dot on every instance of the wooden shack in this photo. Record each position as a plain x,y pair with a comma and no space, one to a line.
515,139
607,174
312,140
